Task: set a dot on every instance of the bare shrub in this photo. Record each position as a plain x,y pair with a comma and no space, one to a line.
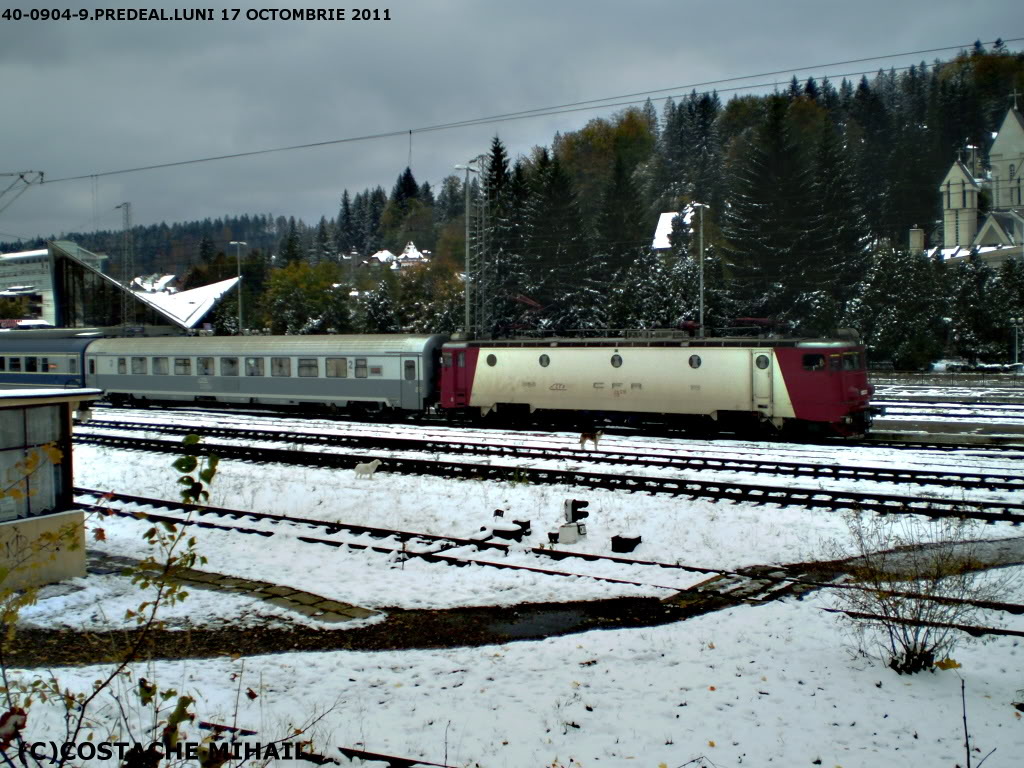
911,580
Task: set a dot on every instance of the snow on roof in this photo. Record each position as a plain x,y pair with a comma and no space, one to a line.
153,282
188,307
24,254
412,252
384,256
664,228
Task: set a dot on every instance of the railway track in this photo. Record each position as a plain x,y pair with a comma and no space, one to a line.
819,471
404,545
714,490
723,587
978,411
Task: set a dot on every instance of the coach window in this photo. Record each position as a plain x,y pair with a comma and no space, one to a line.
492,360
254,366
204,366
16,364
410,370
462,359
183,366
44,364
308,367
814,362
360,367
31,365
616,361
159,366
3,363
73,365
761,361
229,366
337,367
122,365
544,361
280,366
695,361
139,365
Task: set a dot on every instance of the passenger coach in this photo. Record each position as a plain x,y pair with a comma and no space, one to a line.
41,362
323,372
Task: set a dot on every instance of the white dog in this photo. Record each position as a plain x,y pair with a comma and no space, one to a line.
591,437
367,469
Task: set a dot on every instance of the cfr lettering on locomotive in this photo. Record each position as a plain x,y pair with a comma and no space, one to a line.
558,388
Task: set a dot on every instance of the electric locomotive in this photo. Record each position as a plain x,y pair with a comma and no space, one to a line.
793,385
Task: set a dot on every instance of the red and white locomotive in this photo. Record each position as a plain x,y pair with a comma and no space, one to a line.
796,385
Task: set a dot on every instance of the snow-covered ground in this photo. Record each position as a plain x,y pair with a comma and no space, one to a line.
772,684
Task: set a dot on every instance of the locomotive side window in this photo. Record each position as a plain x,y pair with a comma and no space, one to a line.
616,361
446,360
139,365
280,366
73,365
545,361
462,359
337,367
183,366
229,366
309,367
492,360
254,366
814,362
834,362
761,361
360,367
695,361
410,370
850,361
204,366
159,366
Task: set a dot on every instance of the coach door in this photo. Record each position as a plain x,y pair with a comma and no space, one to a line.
410,385
761,364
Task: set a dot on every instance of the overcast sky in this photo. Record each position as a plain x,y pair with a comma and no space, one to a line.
90,97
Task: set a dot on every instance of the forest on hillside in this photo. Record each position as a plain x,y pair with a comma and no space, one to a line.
810,193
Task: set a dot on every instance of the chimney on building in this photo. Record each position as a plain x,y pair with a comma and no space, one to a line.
916,240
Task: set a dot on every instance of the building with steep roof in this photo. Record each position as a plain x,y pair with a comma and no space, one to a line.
968,189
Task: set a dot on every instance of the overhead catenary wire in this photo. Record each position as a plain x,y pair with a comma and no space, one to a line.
591,104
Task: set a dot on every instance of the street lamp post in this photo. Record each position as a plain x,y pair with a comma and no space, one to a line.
238,257
700,317
1016,323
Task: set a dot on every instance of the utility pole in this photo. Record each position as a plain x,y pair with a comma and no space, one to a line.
473,264
238,256
700,290
127,267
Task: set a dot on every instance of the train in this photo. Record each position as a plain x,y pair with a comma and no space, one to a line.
775,385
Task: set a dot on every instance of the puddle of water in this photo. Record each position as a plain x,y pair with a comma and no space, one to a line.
540,624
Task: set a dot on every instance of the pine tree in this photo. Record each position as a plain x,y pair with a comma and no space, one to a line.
621,224
345,229
767,224
840,265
